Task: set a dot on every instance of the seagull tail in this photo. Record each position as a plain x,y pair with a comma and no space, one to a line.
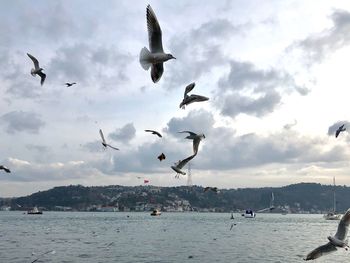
144,58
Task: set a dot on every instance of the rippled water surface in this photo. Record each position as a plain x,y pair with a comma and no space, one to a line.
171,237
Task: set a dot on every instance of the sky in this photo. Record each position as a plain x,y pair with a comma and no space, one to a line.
275,72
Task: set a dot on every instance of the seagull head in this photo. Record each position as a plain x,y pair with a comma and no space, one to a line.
169,56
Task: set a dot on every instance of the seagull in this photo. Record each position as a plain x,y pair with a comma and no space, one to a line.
104,142
337,241
340,129
154,132
214,189
70,84
188,99
154,57
196,139
161,157
7,170
180,164
37,70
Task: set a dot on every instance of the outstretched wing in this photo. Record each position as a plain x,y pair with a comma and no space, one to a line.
42,76
35,61
110,146
191,133
196,142
343,226
321,251
188,88
184,161
156,72
154,132
154,31
102,137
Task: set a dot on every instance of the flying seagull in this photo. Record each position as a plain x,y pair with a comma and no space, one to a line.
196,139
340,129
7,170
188,99
214,189
154,57
154,132
180,164
337,241
37,70
104,142
70,84
161,157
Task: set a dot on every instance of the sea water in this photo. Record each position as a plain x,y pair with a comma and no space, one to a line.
171,237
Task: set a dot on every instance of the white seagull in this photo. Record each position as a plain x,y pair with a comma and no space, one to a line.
154,57
340,129
337,241
180,164
196,139
188,99
104,142
37,70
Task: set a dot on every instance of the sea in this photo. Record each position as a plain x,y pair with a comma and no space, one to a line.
134,237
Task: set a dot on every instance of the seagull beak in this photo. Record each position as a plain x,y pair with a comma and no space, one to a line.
174,57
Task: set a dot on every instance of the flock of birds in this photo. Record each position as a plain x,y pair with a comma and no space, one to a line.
154,58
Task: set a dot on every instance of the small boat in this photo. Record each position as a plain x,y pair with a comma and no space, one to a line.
232,216
156,212
333,215
34,211
249,214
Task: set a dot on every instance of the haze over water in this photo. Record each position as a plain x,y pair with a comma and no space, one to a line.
171,237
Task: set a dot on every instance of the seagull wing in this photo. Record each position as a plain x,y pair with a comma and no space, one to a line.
191,133
321,251
188,88
156,72
102,137
110,146
343,226
42,76
184,161
35,61
337,133
154,31
196,142
154,132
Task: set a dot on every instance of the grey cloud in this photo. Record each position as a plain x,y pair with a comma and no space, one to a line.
20,121
335,126
124,134
319,45
94,146
38,148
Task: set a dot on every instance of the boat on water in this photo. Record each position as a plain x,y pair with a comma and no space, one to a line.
333,215
156,212
249,214
34,211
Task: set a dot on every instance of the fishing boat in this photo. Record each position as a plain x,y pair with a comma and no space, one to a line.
156,212
333,215
249,214
34,211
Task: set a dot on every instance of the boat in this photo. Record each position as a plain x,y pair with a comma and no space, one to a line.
333,215
156,212
249,214
34,211
232,216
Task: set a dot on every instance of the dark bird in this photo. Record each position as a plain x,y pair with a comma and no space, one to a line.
180,164
154,57
161,157
104,142
196,139
214,189
154,132
37,70
70,84
188,99
340,129
7,170
337,241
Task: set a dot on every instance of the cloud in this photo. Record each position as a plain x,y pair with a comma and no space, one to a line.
21,121
124,134
38,148
317,46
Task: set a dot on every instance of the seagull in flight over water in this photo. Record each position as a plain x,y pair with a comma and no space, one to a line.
196,139
340,129
37,70
337,241
192,98
154,57
180,164
104,142
154,132
7,170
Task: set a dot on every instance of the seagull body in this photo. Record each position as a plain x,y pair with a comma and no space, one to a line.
188,99
154,57
180,164
7,170
196,139
70,84
37,70
161,157
337,241
104,142
154,132
340,129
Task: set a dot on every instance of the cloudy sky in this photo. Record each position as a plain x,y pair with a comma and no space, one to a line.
276,74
